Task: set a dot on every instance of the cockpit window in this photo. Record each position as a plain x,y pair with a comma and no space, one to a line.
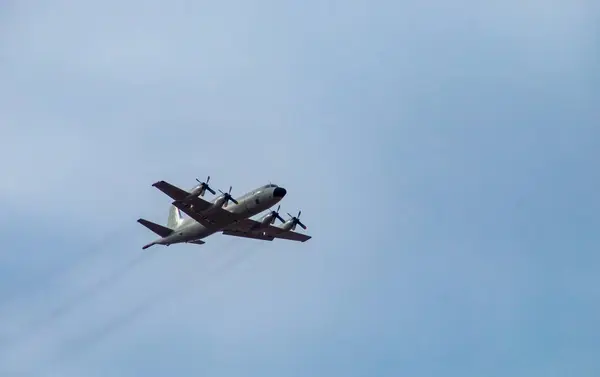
269,185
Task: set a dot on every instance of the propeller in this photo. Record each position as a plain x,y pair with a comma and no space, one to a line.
296,220
204,185
275,215
200,189
227,196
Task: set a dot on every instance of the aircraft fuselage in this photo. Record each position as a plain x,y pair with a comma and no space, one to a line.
248,205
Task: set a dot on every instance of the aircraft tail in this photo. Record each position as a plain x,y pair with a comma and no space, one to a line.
175,218
158,229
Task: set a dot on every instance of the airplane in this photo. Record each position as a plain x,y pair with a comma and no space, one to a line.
219,215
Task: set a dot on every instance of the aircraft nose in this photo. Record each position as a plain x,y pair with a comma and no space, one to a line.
279,192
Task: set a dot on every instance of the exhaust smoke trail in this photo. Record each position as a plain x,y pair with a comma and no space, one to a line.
53,275
93,338
120,321
159,298
84,295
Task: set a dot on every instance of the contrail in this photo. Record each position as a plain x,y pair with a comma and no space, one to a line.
97,287
80,258
88,341
122,321
82,296
159,298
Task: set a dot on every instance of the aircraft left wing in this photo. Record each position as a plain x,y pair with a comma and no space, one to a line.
194,206
178,194
217,218
249,228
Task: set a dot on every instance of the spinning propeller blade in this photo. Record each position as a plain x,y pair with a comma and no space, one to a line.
275,215
204,185
228,197
296,220
200,189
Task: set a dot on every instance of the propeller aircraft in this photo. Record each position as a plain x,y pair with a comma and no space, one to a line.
225,214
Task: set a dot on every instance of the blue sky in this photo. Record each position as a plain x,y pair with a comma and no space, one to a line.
444,156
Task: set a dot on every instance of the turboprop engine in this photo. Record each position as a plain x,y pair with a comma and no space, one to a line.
270,218
224,198
200,189
292,222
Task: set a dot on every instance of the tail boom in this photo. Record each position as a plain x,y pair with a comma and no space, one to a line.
147,246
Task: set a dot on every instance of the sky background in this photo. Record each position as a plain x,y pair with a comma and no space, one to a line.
444,155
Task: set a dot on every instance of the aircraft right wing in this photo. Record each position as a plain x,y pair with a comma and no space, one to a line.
256,235
250,228
288,235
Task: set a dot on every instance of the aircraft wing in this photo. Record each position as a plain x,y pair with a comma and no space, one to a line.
257,236
178,194
290,235
217,216
248,228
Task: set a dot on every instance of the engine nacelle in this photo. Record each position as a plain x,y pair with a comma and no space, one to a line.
220,201
292,222
197,191
266,220
270,218
288,225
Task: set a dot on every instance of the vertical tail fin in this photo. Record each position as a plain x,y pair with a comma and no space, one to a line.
175,218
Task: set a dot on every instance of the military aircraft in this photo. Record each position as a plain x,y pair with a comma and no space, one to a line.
219,215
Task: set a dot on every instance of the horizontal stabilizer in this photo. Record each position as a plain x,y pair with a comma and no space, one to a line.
197,242
158,229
